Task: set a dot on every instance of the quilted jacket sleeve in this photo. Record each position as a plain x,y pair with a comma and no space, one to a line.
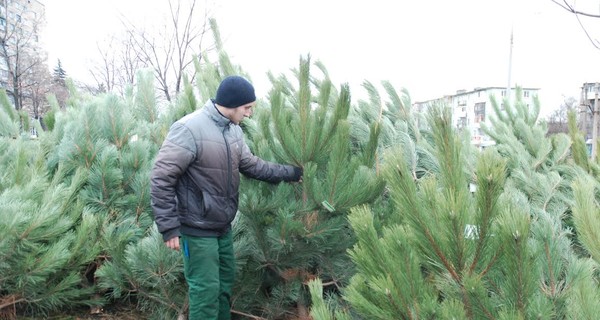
175,155
257,168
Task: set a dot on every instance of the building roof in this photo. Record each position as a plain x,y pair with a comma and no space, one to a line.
478,89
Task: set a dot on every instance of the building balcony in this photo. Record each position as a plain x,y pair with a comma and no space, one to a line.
459,113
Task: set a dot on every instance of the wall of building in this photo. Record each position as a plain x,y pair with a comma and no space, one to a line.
472,108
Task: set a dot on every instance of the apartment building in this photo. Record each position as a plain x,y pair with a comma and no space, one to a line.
472,108
590,96
21,23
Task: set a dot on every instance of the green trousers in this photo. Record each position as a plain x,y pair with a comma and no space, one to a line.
209,268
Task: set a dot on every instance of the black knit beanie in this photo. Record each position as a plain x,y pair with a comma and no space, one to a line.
235,91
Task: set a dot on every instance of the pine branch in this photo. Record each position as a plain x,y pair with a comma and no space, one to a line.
492,262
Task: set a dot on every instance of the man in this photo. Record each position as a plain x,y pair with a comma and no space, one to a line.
194,190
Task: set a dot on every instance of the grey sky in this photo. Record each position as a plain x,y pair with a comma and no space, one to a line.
430,47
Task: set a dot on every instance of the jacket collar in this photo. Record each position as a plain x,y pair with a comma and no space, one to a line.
215,115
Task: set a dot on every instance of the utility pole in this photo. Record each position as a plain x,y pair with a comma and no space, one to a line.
508,86
595,124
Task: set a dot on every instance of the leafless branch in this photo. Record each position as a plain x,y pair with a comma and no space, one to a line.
567,6
27,76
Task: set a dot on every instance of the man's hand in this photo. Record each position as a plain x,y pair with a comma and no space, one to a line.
298,172
173,243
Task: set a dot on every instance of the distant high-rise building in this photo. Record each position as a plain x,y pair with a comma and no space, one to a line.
21,51
472,108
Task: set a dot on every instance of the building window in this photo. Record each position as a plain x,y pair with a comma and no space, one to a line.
19,7
479,111
503,93
526,94
462,122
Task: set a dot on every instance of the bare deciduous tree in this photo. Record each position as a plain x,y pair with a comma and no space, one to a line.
23,61
558,119
104,72
35,88
168,50
118,64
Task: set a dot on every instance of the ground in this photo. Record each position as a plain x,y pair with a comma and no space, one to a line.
113,313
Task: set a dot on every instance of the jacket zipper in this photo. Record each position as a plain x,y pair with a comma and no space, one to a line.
228,162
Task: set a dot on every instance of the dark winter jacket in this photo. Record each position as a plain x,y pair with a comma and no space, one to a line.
196,175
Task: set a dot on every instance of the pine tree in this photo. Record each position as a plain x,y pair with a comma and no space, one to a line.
76,207
138,266
12,122
585,213
445,239
141,268
9,117
47,240
288,234
93,168
78,212
503,252
59,74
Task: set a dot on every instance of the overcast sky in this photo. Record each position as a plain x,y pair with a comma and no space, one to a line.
430,47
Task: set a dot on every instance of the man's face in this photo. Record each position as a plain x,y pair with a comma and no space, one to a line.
238,114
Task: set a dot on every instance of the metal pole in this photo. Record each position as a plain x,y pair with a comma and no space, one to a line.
595,126
508,86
